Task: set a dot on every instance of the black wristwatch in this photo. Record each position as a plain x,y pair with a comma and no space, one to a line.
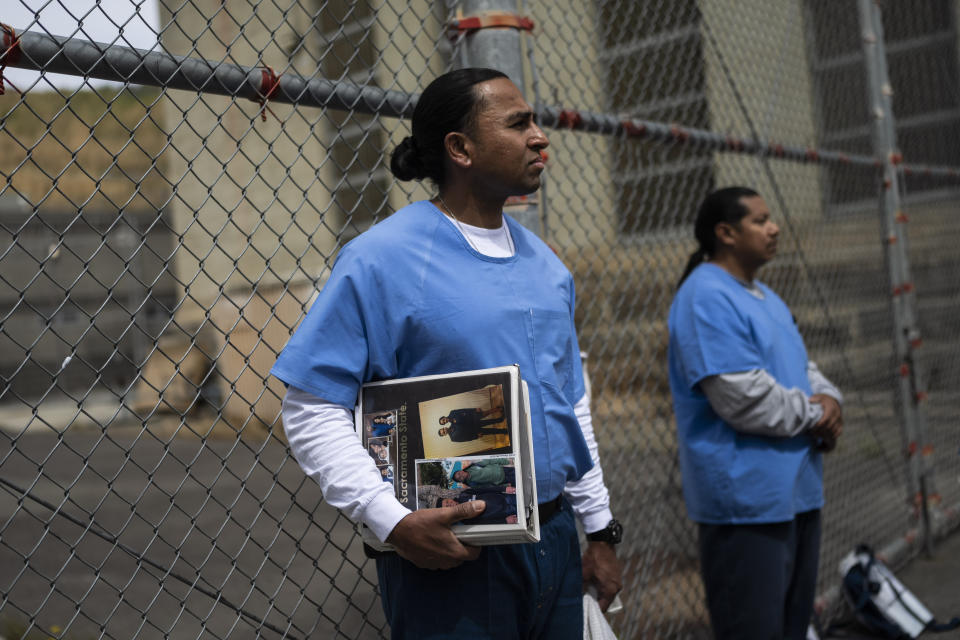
612,534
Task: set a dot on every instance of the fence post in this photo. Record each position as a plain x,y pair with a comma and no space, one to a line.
912,392
496,45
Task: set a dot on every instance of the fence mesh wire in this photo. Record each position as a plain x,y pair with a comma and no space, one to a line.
158,246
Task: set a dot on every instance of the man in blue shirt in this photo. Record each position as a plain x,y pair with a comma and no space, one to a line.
753,415
381,425
466,288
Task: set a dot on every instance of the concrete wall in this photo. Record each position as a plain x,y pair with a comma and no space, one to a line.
255,201
415,52
260,221
69,293
768,67
241,182
577,186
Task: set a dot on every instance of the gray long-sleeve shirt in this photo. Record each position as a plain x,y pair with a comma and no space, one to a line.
754,402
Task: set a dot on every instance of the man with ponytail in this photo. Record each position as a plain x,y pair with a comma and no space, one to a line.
753,416
466,288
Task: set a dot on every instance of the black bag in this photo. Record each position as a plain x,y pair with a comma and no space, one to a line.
881,603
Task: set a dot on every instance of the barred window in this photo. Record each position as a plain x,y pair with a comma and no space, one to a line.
638,39
921,47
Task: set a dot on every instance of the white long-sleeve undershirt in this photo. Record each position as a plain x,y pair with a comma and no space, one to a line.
325,444
588,495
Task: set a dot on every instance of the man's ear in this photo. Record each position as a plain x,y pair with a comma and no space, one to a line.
459,149
725,233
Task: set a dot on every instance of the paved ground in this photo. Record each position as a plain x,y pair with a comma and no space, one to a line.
218,527
936,580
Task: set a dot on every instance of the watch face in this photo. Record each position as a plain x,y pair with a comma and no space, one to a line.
616,531
613,533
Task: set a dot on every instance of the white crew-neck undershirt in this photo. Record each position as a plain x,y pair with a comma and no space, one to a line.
495,243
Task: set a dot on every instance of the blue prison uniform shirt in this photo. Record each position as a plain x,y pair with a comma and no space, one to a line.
411,297
716,327
379,429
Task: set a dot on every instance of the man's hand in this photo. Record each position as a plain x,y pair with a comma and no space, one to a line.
601,568
425,539
827,431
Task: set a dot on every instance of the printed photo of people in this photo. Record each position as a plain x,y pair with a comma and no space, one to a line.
446,483
465,423
379,450
386,473
483,472
380,424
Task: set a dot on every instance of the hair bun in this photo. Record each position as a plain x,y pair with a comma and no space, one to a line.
405,161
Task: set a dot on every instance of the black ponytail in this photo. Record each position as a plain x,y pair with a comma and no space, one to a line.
405,162
696,258
722,205
449,103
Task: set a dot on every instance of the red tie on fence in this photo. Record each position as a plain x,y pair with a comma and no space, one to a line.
11,53
269,84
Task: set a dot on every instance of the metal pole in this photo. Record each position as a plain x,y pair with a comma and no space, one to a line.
494,48
906,332
500,49
77,57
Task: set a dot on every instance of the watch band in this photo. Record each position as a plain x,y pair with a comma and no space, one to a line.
611,534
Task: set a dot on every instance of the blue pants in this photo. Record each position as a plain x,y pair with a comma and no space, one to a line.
519,591
761,579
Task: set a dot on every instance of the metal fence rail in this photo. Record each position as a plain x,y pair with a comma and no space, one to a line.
161,238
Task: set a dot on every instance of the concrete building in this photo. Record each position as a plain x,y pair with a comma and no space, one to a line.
84,242
254,210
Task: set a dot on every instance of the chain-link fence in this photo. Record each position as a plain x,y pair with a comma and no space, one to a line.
161,238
